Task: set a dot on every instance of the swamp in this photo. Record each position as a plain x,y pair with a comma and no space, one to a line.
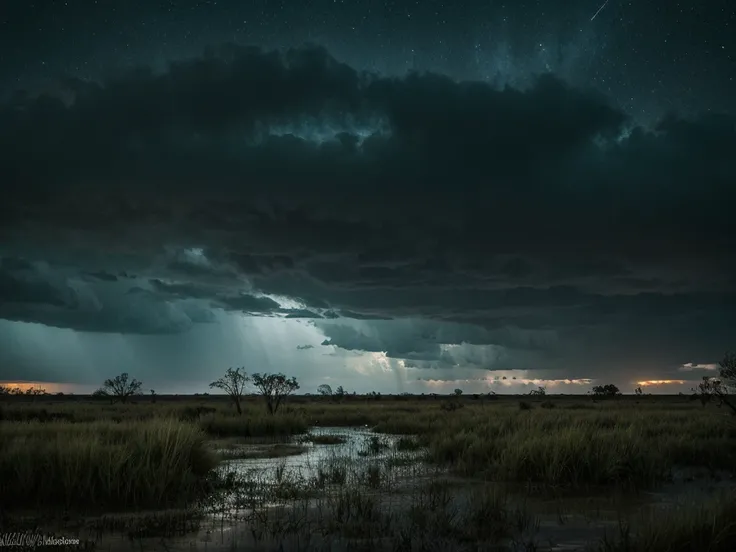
499,473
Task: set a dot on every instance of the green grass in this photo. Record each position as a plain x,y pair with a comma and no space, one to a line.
252,425
102,465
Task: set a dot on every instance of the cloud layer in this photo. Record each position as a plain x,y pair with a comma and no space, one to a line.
535,230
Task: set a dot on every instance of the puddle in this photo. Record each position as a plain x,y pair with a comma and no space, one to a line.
353,446
350,442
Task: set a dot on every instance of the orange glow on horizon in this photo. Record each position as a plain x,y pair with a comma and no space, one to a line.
660,382
49,387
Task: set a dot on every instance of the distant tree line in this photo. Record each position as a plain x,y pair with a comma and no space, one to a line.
275,388
8,391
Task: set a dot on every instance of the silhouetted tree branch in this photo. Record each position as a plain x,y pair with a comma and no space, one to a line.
274,388
233,384
609,390
120,387
721,387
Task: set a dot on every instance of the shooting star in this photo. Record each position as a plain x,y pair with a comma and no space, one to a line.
599,10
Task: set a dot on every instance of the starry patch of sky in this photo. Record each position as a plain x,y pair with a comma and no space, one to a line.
648,57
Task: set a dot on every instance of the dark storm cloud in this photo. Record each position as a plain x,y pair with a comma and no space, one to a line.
60,297
371,198
361,316
105,276
249,303
221,297
300,313
16,289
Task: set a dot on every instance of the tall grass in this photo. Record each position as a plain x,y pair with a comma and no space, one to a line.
253,425
102,465
708,527
577,444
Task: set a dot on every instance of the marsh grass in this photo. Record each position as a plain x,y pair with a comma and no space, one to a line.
360,505
102,465
325,439
407,444
239,451
373,445
166,524
579,443
252,425
707,527
581,448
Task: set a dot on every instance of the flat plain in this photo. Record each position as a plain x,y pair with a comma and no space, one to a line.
647,473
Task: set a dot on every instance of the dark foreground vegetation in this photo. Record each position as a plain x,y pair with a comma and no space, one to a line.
82,456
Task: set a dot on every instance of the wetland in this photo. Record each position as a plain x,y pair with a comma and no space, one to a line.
398,473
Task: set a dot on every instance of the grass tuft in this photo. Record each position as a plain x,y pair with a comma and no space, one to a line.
102,465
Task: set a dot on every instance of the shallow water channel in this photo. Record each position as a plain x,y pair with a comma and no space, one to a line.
303,458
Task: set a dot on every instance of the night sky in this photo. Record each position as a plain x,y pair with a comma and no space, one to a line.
392,196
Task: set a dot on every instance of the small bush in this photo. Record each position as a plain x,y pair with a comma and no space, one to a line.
407,444
451,406
193,413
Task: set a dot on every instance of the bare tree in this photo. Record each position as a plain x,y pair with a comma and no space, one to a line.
720,388
707,390
233,384
274,388
728,372
325,390
120,387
